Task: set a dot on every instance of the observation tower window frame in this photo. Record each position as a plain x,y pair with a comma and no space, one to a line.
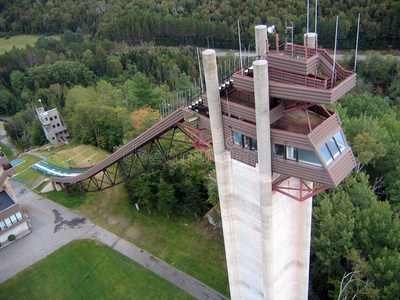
305,156
244,141
332,148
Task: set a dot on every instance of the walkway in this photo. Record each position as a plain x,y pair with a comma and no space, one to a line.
54,226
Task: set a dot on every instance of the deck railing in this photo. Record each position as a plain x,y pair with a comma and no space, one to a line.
290,78
308,52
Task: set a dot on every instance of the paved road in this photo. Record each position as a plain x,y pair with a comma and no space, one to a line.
54,226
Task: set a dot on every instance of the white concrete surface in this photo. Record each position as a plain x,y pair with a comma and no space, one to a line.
261,40
223,168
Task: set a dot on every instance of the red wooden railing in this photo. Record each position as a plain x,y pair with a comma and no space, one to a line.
308,52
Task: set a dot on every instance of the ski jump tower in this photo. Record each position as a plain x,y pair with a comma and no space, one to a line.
275,147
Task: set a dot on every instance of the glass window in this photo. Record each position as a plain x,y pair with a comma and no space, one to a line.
51,119
58,124
340,141
246,140
253,144
291,153
13,219
333,147
19,216
238,139
55,117
2,225
8,222
308,157
279,150
326,155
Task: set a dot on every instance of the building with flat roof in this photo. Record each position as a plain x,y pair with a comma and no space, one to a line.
53,125
13,224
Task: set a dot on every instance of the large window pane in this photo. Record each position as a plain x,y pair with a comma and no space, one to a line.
8,222
326,155
340,141
13,219
246,141
253,144
2,225
291,152
238,139
333,147
19,216
308,157
279,150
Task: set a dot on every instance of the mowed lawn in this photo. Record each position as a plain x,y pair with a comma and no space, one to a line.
192,246
88,270
20,41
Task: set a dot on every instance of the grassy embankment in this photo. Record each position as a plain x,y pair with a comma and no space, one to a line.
88,270
191,246
7,151
20,41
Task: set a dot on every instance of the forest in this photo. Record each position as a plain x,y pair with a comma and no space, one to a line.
110,64
204,23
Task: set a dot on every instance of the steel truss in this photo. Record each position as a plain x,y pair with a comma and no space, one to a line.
157,151
305,191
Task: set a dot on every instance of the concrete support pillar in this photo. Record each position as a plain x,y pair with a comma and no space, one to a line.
261,40
214,104
261,93
224,172
311,39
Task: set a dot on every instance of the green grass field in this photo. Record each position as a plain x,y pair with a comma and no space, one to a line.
23,172
7,151
20,41
88,270
192,246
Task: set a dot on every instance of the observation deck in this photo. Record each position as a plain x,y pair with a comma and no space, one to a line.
307,139
302,74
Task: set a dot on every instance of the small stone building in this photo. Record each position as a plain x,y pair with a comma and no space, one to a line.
53,125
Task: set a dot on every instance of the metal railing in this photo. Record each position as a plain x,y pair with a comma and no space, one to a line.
184,98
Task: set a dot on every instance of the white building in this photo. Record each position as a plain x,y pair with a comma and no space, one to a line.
13,224
53,125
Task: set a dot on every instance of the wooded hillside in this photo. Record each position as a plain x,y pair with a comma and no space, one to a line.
203,22
108,80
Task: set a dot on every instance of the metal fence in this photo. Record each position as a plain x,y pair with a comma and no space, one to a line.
227,66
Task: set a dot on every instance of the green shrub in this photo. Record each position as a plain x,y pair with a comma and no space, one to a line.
11,237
